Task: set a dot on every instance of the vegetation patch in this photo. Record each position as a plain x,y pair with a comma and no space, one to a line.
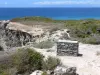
36,18
86,31
25,61
81,30
44,44
50,63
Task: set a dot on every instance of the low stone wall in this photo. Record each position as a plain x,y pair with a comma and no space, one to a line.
69,48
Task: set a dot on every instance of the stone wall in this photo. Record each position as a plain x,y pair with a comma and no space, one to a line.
69,48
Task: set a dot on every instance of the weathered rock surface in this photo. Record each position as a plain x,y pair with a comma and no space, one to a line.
14,34
62,70
37,72
66,47
59,70
12,38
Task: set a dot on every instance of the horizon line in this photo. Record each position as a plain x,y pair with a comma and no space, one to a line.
49,7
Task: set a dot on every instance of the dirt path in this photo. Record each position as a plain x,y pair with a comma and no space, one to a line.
88,64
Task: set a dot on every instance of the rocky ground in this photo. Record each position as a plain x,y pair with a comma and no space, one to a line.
88,63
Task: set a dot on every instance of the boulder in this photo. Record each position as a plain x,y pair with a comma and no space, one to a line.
37,72
62,70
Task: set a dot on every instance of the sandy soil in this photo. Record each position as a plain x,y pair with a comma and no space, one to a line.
87,64
33,30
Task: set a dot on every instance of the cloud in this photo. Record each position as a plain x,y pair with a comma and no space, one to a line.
66,2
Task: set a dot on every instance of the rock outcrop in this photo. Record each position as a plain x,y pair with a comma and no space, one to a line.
59,70
12,38
14,34
37,72
62,70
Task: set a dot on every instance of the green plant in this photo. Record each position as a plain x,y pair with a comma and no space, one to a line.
44,73
83,30
50,63
10,71
28,59
37,18
4,73
91,39
44,44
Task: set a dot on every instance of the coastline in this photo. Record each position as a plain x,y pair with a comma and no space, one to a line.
56,18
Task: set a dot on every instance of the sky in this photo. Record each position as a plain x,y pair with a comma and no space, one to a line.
49,3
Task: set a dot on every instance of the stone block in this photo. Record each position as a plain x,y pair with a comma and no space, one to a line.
67,47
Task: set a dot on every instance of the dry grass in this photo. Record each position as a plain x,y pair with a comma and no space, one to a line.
44,25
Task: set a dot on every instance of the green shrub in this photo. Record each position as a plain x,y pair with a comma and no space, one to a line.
26,60
37,18
92,39
4,73
44,73
84,29
50,63
10,71
44,44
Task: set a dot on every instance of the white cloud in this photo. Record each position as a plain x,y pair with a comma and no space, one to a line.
66,2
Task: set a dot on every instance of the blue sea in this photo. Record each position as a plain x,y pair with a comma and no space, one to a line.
54,13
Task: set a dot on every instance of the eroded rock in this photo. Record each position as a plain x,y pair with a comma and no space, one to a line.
62,70
13,38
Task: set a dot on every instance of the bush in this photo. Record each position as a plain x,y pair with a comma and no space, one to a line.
84,29
27,60
44,44
44,73
11,71
92,39
37,18
50,63
4,73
